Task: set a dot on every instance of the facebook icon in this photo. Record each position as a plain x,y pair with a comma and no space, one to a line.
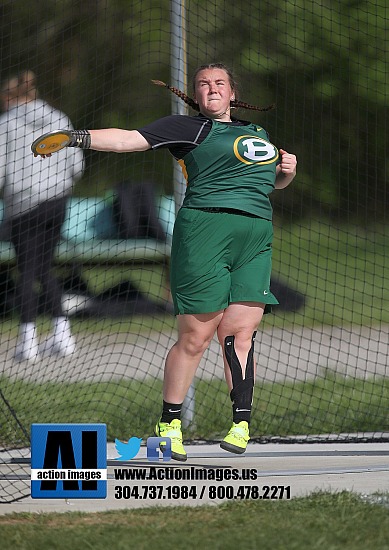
156,444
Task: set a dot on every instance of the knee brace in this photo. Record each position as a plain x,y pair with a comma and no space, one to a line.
242,388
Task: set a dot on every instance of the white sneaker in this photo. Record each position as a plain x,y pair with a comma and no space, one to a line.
27,348
61,342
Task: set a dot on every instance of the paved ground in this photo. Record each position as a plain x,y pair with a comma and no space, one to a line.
281,355
305,468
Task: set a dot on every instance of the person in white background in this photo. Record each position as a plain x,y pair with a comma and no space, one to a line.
35,195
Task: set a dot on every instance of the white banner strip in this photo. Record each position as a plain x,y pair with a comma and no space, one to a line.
68,474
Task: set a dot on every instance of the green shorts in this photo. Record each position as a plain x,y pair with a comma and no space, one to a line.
219,258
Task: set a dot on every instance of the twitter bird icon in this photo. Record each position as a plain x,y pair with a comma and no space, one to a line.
128,450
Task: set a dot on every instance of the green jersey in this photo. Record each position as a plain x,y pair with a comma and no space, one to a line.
226,164
234,167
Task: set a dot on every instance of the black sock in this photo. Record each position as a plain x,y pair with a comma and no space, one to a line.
171,411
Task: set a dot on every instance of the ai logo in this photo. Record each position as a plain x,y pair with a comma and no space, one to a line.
68,461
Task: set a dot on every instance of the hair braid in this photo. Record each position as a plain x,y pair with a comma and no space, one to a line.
188,100
243,105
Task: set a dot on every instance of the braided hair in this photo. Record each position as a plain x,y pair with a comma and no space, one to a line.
234,104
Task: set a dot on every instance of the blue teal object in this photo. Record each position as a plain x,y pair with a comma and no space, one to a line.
89,235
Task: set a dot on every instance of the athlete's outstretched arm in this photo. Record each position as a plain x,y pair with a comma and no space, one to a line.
118,141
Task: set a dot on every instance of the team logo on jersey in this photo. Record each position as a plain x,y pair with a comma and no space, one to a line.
254,150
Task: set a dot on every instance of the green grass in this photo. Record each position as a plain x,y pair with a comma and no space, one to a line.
342,270
320,521
331,404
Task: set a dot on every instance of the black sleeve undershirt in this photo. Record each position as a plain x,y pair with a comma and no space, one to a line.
180,134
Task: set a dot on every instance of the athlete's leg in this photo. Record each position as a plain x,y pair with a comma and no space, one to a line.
236,335
240,320
195,333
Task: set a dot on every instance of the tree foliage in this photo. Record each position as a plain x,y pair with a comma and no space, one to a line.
322,63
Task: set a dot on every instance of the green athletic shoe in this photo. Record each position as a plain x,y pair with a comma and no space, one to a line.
237,438
173,430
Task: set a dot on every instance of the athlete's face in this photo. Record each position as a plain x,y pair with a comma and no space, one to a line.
213,93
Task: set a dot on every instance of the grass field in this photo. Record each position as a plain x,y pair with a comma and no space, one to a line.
322,521
342,269
326,405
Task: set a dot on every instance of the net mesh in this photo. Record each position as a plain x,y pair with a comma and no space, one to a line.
322,355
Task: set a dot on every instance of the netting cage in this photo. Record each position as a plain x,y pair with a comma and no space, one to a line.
322,354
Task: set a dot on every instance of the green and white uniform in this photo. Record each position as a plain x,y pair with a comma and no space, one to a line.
222,240
234,167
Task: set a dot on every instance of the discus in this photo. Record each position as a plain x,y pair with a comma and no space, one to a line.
52,142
